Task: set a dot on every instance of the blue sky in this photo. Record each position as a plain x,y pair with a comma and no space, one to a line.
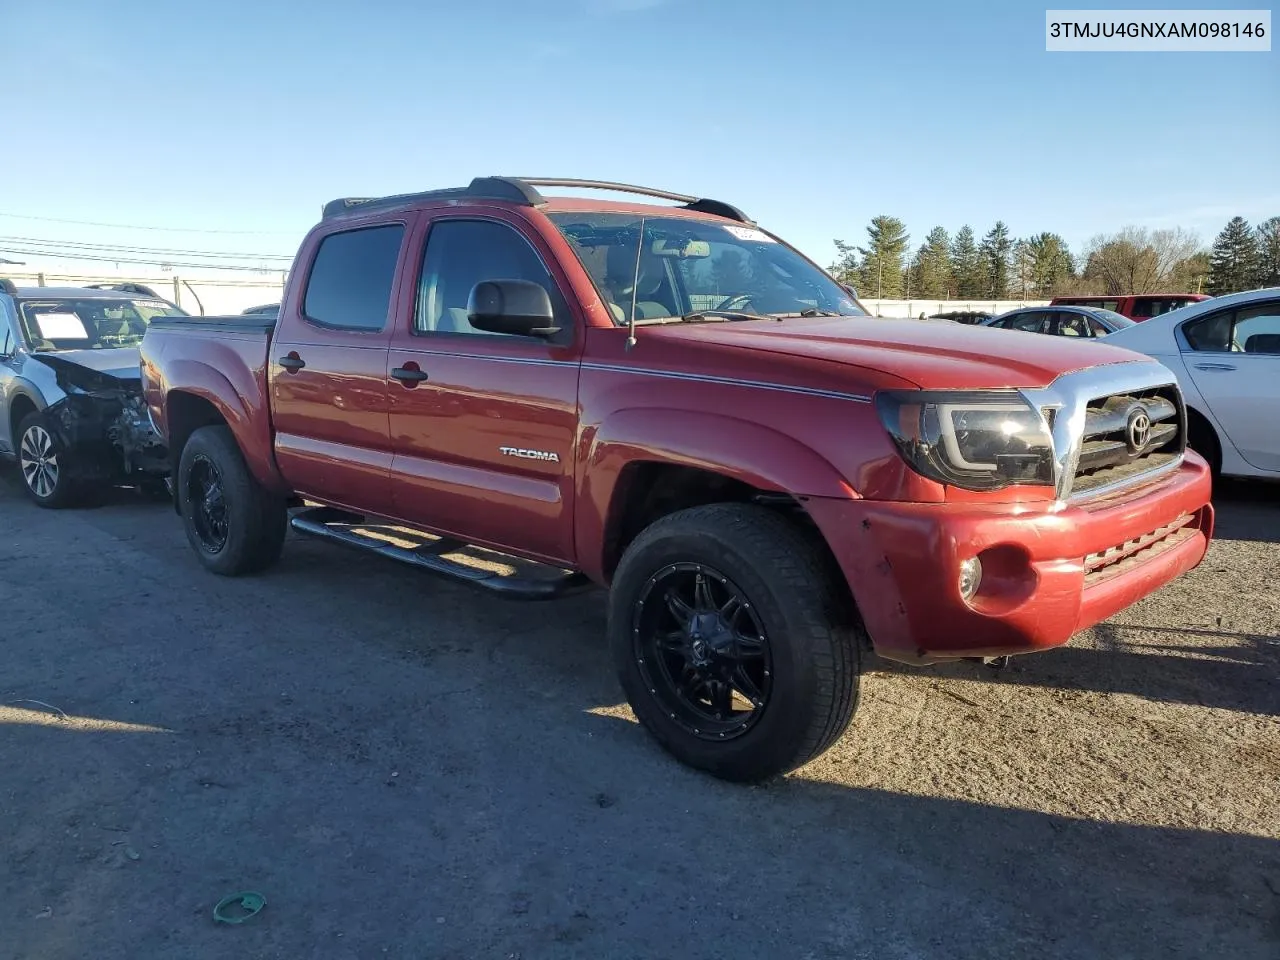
812,115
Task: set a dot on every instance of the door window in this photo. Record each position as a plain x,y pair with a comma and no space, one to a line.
1257,330
1073,325
462,253
1030,322
1253,329
351,278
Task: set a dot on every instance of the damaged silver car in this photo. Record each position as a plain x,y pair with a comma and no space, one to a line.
71,410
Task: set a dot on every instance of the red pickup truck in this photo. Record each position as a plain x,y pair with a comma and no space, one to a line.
669,401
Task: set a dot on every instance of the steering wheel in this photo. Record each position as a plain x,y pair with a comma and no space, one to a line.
730,303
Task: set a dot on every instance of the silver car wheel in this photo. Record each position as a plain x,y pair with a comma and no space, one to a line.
39,461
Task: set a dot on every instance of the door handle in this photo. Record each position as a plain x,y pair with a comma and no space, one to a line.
409,375
293,363
1214,366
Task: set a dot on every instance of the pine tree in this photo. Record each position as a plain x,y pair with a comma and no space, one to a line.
996,248
845,268
1050,264
933,279
1268,239
882,259
1233,263
966,264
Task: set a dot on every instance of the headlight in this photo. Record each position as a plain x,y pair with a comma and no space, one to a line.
974,440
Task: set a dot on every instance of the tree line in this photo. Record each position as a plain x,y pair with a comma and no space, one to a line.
1000,266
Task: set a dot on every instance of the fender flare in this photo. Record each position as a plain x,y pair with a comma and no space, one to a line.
743,450
207,383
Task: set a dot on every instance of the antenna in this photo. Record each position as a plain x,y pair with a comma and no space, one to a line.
635,284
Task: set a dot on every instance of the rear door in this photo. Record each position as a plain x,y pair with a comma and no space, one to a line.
328,369
1233,356
483,425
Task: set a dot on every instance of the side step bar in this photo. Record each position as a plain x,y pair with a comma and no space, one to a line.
331,524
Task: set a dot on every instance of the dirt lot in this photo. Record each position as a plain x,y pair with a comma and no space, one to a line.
405,768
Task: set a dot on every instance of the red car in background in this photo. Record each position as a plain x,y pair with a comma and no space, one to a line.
1139,307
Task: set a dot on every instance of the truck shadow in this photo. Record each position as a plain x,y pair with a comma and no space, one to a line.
1240,673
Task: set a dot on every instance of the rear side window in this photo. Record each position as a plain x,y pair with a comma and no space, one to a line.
1030,322
1253,329
350,283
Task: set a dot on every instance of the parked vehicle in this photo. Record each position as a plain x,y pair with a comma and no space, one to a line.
672,402
1082,322
1137,307
70,390
962,316
1226,354
266,310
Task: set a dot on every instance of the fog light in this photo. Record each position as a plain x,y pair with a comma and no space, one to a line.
970,578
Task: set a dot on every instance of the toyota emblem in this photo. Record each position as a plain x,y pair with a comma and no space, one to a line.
1139,430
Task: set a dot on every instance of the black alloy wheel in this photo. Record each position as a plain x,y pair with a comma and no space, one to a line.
702,650
208,504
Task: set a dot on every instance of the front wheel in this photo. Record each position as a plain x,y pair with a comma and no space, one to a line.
731,643
48,473
234,525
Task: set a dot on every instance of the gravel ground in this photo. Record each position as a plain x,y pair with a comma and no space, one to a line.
406,768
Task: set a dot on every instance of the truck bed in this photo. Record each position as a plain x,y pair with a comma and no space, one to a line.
237,323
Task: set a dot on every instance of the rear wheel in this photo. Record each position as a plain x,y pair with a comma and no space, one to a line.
1203,439
47,466
234,524
730,642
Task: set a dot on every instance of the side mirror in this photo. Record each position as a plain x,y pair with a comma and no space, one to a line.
517,307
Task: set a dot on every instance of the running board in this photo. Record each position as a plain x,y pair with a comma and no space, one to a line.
332,524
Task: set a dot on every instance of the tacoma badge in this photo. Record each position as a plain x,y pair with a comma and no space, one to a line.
529,454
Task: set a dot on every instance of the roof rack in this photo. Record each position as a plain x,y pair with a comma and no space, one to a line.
481,188
137,288
523,190
701,204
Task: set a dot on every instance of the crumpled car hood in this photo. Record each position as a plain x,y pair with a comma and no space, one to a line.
79,366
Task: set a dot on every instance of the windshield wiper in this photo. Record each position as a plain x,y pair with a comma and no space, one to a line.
700,315
808,312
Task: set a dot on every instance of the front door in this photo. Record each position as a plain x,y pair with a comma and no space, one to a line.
483,425
328,371
1235,363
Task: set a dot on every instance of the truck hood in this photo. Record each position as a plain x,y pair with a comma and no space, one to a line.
928,353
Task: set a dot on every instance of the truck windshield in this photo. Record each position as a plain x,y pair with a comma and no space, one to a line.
90,324
680,266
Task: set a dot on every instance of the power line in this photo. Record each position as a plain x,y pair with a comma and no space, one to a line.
155,261
122,248
134,226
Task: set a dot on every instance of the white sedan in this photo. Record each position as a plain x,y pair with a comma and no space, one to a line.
1226,355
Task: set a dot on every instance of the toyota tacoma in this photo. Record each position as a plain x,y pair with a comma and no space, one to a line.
669,401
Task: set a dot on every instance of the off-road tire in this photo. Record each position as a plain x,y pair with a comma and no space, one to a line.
69,488
814,637
256,519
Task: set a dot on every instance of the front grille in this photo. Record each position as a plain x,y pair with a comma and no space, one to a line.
1129,434
1115,560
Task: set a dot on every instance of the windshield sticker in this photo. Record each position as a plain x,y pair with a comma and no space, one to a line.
748,233
61,326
